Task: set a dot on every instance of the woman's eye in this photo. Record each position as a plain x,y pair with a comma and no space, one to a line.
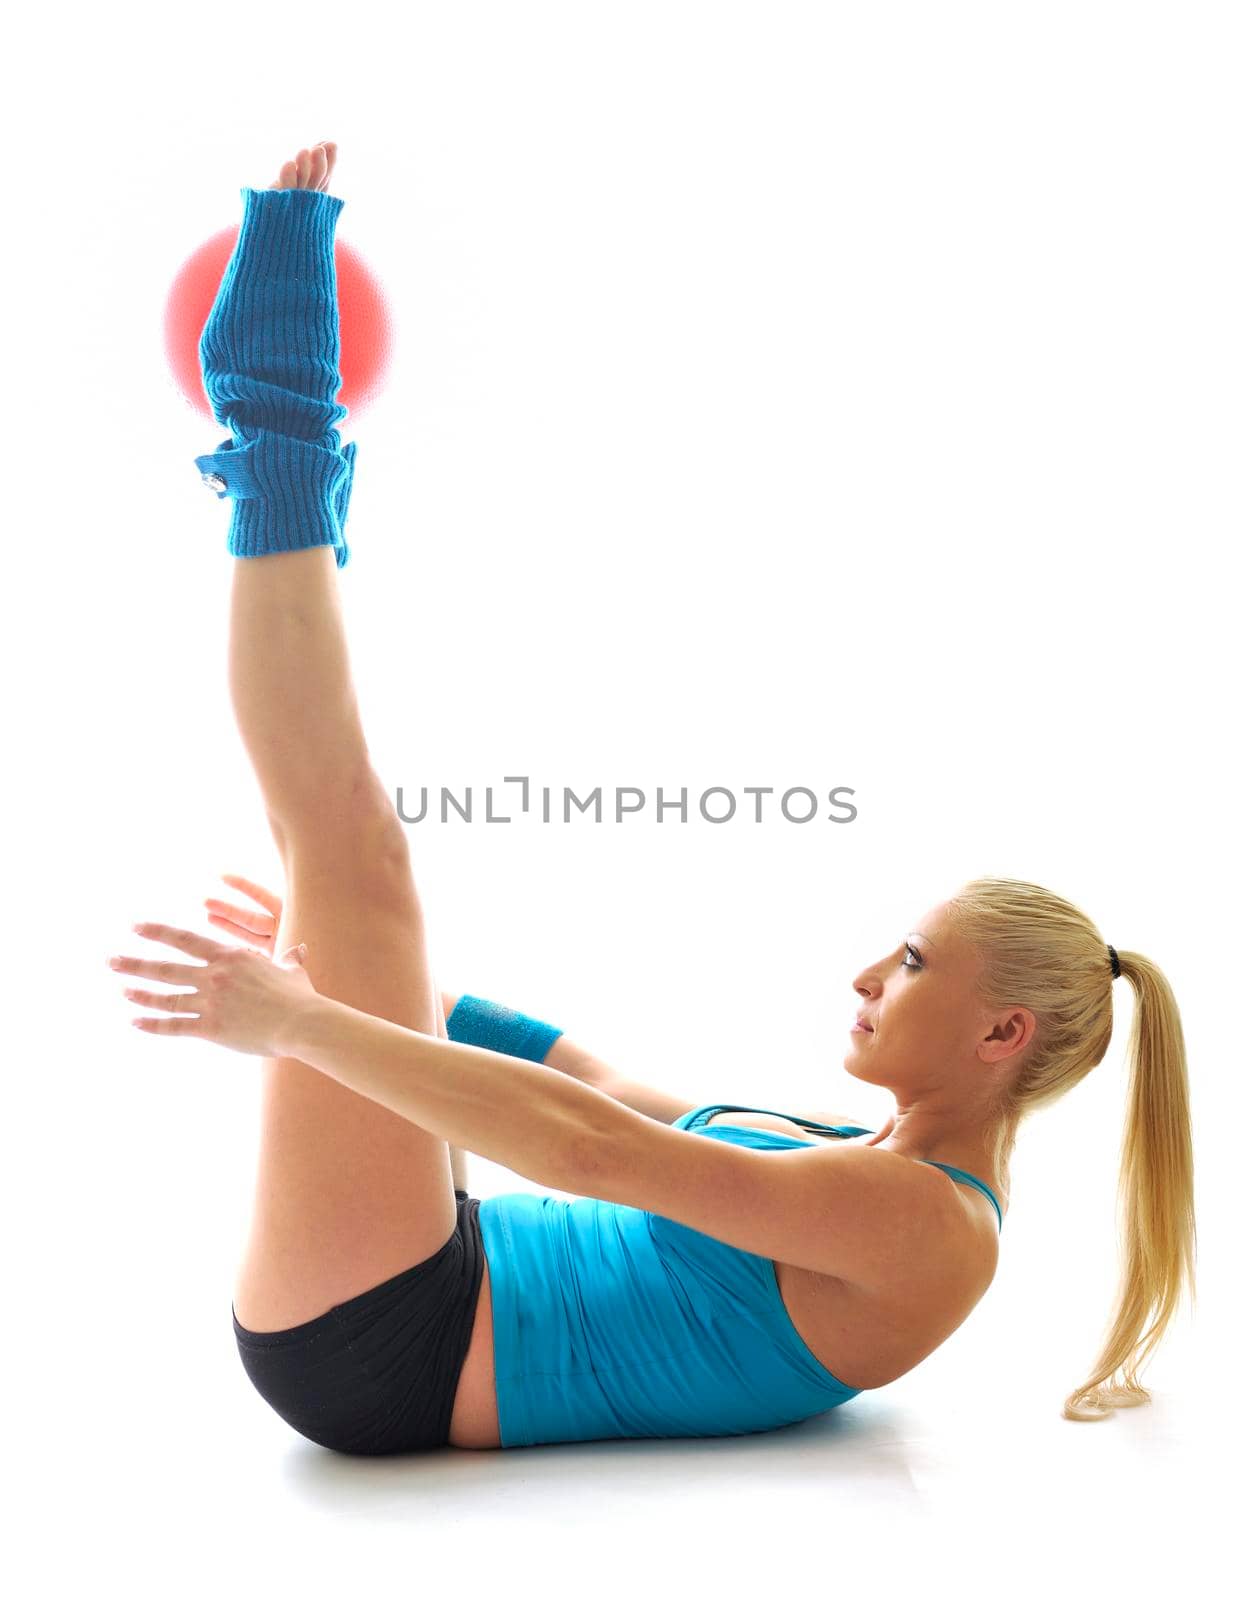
917,960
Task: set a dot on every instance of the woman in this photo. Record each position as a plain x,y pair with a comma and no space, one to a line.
763,1270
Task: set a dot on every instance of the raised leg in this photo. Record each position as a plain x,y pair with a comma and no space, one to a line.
347,1194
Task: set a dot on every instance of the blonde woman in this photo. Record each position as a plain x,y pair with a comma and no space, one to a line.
724,1269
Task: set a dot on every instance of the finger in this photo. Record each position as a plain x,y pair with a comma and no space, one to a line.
257,939
248,886
167,1024
162,1002
243,916
164,971
266,898
194,944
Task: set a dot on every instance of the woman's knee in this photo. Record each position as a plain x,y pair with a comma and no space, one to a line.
323,803
355,823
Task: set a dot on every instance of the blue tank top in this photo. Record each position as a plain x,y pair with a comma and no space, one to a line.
612,1322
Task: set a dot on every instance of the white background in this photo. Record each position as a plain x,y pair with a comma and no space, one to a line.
783,394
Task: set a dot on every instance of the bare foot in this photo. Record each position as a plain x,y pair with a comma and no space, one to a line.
311,169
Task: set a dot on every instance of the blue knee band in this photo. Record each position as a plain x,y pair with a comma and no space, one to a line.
491,1026
269,353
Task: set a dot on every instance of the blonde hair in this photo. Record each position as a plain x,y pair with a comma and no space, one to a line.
1043,953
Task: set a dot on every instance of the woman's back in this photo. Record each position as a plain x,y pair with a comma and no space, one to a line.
872,1334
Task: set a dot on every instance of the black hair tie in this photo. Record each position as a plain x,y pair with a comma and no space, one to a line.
1116,962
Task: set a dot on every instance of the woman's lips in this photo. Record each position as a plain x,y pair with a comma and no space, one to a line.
859,1027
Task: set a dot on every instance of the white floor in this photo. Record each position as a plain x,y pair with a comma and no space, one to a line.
161,1471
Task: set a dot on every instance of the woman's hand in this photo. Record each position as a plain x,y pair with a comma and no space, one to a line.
258,928
239,999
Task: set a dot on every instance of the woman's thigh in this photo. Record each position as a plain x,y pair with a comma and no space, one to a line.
379,1373
347,1192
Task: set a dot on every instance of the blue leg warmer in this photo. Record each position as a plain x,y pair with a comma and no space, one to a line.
269,352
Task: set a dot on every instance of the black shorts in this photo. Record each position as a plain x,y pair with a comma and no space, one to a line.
377,1374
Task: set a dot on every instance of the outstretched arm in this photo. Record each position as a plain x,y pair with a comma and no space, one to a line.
571,1059
515,1112
822,1209
257,926
515,1033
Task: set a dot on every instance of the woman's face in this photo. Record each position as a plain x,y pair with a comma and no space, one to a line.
921,1007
